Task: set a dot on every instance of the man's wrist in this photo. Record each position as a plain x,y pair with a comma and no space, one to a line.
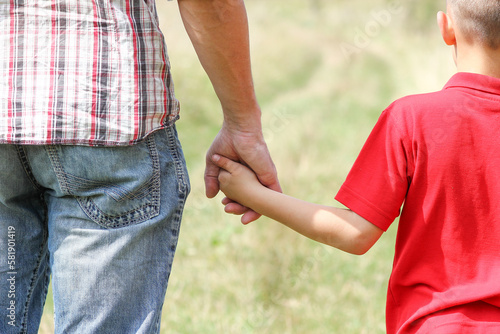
248,119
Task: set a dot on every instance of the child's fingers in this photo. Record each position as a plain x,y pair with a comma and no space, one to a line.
235,208
226,201
224,177
224,163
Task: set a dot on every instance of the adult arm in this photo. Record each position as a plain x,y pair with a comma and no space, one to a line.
340,228
218,30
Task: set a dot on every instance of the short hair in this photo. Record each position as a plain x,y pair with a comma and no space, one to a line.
479,20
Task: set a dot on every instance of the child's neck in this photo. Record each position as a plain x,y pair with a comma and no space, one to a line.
479,60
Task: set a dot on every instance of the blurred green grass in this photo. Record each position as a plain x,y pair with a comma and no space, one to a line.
319,105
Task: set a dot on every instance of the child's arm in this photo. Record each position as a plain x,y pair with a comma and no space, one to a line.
340,228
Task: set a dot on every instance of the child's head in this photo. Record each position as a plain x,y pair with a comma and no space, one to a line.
477,20
473,28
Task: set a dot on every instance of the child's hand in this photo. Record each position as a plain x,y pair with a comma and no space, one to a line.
237,182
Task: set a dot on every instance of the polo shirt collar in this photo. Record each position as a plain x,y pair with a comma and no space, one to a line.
474,81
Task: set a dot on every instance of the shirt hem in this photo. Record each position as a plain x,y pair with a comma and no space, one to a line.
364,208
86,142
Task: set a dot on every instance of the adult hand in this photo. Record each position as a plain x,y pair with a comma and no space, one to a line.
248,147
218,30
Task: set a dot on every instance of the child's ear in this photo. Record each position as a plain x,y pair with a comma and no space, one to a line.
445,24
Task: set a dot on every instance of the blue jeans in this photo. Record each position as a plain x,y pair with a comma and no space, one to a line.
103,221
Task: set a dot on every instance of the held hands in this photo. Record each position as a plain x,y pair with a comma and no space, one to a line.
249,147
219,33
237,182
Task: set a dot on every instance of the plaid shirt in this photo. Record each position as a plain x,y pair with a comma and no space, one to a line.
86,72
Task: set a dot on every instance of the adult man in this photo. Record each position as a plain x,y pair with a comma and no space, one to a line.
93,181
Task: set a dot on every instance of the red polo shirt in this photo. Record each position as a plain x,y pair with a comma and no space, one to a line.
437,156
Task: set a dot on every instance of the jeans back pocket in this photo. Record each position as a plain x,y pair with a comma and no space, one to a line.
115,186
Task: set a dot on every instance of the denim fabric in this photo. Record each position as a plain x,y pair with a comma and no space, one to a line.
104,221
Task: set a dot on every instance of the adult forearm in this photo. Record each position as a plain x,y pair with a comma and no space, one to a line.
218,30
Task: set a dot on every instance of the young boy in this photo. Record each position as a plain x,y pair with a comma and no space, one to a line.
438,154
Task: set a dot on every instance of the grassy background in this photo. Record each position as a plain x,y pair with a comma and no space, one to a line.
324,70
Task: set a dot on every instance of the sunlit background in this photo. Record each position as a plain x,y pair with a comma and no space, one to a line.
324,71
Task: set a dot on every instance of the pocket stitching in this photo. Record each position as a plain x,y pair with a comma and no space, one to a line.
127,218
131,217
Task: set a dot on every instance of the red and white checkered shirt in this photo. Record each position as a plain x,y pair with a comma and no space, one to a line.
86,72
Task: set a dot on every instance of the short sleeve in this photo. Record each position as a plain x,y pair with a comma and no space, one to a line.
377,184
